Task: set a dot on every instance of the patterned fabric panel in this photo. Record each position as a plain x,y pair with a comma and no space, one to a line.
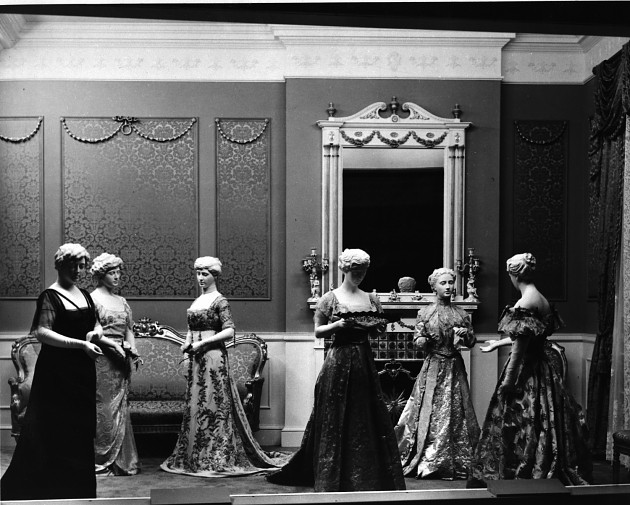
28,356
156,412
20,206
163,374
135,196
244,360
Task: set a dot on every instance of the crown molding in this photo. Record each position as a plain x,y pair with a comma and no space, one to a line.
10,27
85,48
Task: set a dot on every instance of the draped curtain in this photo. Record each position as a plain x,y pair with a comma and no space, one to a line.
607,153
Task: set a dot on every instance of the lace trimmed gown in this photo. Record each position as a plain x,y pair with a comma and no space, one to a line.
438,429
349,442
215,438
538,431
114,446
54,456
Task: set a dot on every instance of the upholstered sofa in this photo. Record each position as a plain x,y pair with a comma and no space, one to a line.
156,394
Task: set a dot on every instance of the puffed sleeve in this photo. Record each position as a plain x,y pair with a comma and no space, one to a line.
323,310
225,314
420,333
46,311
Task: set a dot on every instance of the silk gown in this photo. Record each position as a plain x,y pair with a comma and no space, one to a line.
54,456
114,446
438,429
538,431
215,438
349,442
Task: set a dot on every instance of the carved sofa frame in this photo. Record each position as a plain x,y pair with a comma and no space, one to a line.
157,389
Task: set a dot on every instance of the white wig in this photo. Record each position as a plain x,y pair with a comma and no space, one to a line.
104,263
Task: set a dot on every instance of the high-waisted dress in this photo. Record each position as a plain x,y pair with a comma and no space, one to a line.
349,442
54,456
215,438
114,446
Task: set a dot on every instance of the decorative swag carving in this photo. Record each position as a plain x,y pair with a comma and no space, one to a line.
135,196
243,207
126,127
25,138
21,163
541,159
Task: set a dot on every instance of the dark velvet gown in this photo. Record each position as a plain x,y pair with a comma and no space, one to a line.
536,431
438,429
54,456
349,442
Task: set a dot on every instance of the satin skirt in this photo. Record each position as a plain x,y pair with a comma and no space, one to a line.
438,430
114,446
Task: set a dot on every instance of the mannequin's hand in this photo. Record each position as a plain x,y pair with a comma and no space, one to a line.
92,350
490,346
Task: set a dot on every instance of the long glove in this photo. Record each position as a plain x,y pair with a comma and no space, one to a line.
55,339
508,385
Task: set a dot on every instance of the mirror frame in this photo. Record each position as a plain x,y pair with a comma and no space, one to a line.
368,129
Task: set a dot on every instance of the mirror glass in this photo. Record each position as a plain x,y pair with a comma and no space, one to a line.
393,207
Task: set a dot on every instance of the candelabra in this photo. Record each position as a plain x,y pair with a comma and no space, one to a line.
314,268
470,269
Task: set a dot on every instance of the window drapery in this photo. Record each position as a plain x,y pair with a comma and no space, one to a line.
607,153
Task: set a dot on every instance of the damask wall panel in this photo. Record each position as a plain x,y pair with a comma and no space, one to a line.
130,188
243,207
540,186
21,163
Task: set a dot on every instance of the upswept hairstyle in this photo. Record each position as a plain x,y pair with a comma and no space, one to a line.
436,274
522,266
352,259
210,263
103,263
70,252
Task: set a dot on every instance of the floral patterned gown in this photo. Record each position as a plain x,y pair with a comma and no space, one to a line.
349,442
438,429
536,431
114,446
215,438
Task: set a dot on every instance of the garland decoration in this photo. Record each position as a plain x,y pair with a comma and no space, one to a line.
240,141
392,142
358,142
539,142
17,140
126,127
429,143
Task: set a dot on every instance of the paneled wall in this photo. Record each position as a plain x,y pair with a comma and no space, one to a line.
293,107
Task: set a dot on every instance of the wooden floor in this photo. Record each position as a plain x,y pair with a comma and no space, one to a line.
153,486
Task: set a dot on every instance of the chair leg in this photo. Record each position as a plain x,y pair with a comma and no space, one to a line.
616,466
